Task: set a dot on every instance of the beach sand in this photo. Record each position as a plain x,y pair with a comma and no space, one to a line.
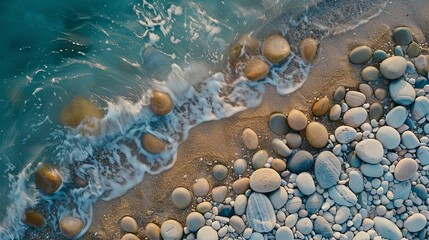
220,141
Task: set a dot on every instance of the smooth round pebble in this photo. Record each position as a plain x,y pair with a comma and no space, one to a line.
376,111
240,166
293,140
265,180
171,230
393,67
130,236
241,185
355,98
379,55
405,169
259,159
370,151
278,164
219,193
317,135
339,93
181,198
250,139
152,144
301,161
388,137
297,120
194,221
237,224
396,116
402,92
355,117
387,229
284,233
305,183
304,226
321,106
161,103
308,49
415,222
360,54
402,36
201,187
380,93
278,124
275,48
345,134
335,113
129,224
219,172
256,69
370,73
366,89
153,231
70,226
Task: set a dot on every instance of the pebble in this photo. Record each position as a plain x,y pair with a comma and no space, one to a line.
308,49
370,151
240,204
278,164
317,135
219,172
342,195
413,50
256,236
304,226
342,214
256,69
401,190
195,221
275,48
327,169
321,106
181,198
321,226
301,161
305,183
153,231
410,140
356,181
278,124
393,67
293,140
207,233
398,51
291,220
201,187
405,169
161,103
420,191
380,93
422,64
355,117
204,207
259,159
339,93
280,148
415,223
265,180
387,229
129,224
372,170
130,236
237,224
284,233
47,179
376,111
388,137
370,73
355,98
250,139
70,226
335,113
260,213
241,185
152,144
219,193
396,116
345,134
402,92
34,218
379,55
293,205
314,203
360,54
423,155
240,166
366,89
77,110
402,36
362,236
297,120
420,108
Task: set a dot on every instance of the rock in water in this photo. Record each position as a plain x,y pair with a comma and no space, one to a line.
308,49
275,48
161,103
47,180
34,218
81,110
171,230
260,213
317,135
153,144
256,69
327,169
387,229
393,67
71,226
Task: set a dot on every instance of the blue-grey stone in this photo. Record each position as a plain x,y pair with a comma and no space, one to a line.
301,161
420,108
372,170
327,169
342,195
402,92
322,227
314,203
421,191
401,190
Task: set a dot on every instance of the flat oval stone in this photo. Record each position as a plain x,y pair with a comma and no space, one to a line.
402,92
297,120
380,93
153,232
275,48
34,218
422,64
161,103
293,205
420,108
308,49
362,236
260,213
181,198
293,140
322,227
423,155
129,224
47,179
250,139
345,134
402,36
256,69
201,187
265,180
278,198
278,164
321,107
305,183
415,222
219,193
413,50
240,204
370,73
130,236
304,226
240,166
355,98
342,195
376,111
314,203
410,140
379,55
360,54
355,117
280,148
370,151
387,229
152,144
207,233
388,137
259,159
356,181
340,93
70,226
195,221
401,190
405,169
317,135
301,161
342,215
366,89
284,233
241,185
396,116
372,170
327,169
393,67
237,224
278,124
335,113
420,190
204,207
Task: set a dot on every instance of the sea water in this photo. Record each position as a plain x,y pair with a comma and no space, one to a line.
115,53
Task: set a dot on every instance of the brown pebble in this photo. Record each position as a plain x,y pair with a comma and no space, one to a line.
80,182
297,120
278,165
256,69
308,49
153,231
380,93
34,218
366,89
321,107
241,185
161,103
78,110
153,144
47,179
293,140
70,227
317,135
275,48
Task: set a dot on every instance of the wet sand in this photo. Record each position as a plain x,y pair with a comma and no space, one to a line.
219,141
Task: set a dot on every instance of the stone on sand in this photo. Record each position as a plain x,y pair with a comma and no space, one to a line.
317,135
70,226
321,107
153,231
297,120
308,49
181,198
129,224
250,139
360,54
278,124
171,230
275,48
153,144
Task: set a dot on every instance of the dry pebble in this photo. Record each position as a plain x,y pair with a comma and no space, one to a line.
278,124
297,120
250,139
181,198
129,224
153,231
321,107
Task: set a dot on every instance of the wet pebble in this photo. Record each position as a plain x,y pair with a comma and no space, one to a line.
402,36
153,144
256,69
207,233
308,49
275,48
161,103
70,226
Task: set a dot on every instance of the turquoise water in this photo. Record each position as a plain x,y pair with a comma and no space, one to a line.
114,53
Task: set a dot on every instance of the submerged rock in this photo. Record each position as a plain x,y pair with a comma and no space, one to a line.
71,226
153,144
34,218
161,103
47,179
81,110
275,48
256,69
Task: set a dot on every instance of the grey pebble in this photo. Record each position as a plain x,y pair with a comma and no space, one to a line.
420,108
402,92
342,195
396,116
339,93
327,169
278,124
376,111
360,54
301,161
372,170
335,113
355,98
355,117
